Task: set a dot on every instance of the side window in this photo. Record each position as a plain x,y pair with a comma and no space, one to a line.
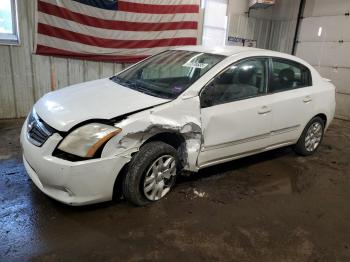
288,75
9,34
241,80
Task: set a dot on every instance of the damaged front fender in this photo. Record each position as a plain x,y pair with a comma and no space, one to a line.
181,117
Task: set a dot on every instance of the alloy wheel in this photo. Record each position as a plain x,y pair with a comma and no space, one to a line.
159,177
313,136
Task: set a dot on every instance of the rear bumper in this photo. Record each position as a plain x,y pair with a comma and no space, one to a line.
73,183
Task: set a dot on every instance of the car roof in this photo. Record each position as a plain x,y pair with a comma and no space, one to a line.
219,50
236,50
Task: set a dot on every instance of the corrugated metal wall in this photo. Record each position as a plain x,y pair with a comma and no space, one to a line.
250,28
324,41
273,28
24,77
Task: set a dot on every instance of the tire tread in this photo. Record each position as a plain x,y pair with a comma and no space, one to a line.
138,166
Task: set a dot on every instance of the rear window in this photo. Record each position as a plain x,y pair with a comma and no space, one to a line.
287,74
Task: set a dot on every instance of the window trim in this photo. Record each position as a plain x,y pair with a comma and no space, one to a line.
267,81
288,61
14,38
269,77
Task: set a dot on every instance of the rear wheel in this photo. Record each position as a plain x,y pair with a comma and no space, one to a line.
311,137
151,174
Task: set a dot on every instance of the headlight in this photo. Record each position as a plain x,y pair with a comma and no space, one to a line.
86,140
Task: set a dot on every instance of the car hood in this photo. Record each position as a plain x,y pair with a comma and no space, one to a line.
100,99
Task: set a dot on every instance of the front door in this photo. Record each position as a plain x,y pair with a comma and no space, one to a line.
235,112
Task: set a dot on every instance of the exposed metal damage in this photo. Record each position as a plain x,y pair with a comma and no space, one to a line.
139,128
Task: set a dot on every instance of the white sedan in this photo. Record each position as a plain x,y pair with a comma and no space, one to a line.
183,109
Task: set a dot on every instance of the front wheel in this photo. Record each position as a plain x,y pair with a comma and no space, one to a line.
311,137
151,173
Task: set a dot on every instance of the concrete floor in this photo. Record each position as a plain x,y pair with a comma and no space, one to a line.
276,206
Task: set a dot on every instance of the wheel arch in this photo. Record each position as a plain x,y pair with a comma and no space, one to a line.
173,139
323,117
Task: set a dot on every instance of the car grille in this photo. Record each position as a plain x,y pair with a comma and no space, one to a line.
37,130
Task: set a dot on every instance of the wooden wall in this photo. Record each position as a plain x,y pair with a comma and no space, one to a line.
25,77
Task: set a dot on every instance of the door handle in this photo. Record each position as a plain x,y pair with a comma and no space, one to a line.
307,99
264,110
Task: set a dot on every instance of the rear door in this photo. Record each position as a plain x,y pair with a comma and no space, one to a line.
290,90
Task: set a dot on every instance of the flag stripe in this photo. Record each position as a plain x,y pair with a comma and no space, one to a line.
112,43
119,31
45,50
86,49
113,34
124,16
108,24
156,9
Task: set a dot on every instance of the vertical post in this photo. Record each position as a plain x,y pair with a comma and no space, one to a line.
300,16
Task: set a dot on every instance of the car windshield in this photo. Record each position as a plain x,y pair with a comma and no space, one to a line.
167,74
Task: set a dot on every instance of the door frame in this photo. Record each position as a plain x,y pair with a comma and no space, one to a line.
269,67
240,141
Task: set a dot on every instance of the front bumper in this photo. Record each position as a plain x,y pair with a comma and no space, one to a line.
73,183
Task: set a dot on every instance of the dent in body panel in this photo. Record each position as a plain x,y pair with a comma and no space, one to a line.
178,117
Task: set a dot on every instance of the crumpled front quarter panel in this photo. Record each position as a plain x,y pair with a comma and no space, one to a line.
181,116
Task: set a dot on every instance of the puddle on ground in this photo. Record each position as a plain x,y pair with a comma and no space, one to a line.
276,177
255,176
281,184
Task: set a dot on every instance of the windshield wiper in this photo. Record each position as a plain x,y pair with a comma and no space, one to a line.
120,80
156,93
135,86
124,82
147,91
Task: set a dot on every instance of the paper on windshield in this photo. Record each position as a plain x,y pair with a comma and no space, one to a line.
195,65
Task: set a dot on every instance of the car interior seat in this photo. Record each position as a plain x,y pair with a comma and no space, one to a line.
243,86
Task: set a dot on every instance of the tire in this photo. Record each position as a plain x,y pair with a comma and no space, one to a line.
310,140
146,172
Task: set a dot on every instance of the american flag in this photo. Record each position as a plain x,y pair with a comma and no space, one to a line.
110,30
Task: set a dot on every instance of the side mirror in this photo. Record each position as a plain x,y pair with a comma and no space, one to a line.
206,99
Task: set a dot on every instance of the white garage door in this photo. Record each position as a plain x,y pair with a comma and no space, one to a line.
324,41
